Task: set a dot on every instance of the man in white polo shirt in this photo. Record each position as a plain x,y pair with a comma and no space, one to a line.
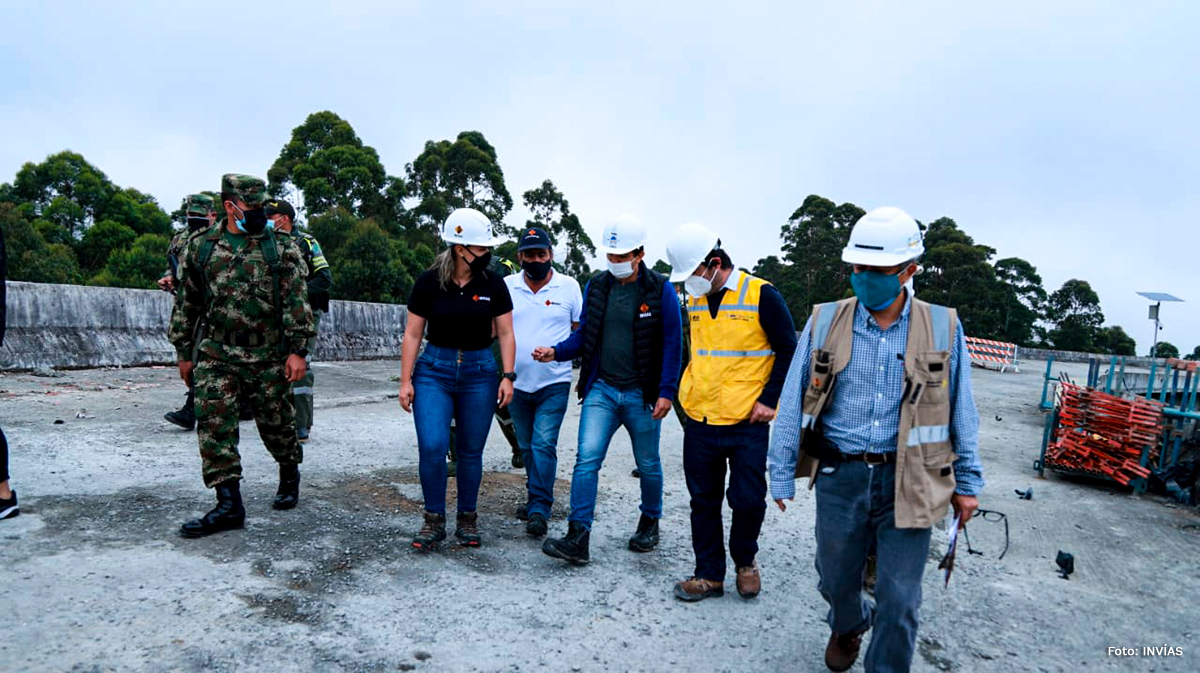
546,309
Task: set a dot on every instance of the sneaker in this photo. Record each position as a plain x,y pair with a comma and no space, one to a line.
302,434
697,589
8,507
433,531
466,528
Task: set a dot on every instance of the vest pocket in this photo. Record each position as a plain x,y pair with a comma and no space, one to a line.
939,469
933,373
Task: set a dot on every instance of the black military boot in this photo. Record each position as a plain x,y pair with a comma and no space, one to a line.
227,515
536,527
432,532
572,548
289,486
186,416
646,537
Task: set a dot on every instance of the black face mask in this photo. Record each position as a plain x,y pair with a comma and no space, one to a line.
480,262
536,270
197,223
254,221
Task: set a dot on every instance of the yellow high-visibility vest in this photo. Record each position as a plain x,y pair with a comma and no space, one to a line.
731,358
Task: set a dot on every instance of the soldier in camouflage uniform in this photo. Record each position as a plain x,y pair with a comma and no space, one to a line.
320,281
241,306
200,214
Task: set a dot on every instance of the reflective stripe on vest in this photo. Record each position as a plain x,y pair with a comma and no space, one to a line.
928,434
731,356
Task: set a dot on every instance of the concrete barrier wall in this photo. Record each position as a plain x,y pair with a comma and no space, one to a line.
1074,356
65,326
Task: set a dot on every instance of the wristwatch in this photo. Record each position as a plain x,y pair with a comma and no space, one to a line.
302,352
511,376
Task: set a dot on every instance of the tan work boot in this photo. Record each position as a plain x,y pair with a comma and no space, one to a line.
842,650
696,589
748,581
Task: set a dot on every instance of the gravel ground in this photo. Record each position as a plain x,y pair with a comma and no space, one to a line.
95,578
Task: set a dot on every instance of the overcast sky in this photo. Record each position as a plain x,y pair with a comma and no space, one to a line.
1062,132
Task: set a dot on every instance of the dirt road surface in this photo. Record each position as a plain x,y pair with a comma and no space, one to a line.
94,577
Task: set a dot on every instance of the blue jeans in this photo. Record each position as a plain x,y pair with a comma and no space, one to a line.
537,418
855,507
604,410
706,451
462,385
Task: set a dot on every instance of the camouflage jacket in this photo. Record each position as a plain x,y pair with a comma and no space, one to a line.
176,249
237,312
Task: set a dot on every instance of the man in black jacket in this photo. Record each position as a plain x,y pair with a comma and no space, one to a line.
629,340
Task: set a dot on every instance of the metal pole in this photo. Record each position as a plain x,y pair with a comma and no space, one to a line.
1154,341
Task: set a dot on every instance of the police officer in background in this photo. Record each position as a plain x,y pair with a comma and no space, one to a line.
320,281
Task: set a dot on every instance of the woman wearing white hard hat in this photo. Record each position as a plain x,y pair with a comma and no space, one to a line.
462,305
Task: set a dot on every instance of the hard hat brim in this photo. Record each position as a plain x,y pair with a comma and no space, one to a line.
488,243
616,251
851,255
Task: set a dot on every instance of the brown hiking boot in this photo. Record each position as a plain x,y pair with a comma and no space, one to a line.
467,528
696,589
842,650
748,581
432,532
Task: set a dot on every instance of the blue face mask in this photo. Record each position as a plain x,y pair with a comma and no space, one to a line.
875,289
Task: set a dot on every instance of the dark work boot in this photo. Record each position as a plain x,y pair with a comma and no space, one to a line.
227,515
536,526
186,416
572,548
289,486
432,532
466,528
646,537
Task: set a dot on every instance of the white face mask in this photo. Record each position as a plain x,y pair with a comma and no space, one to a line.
621,270
698,286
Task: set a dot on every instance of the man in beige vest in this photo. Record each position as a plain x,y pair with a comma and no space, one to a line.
888,448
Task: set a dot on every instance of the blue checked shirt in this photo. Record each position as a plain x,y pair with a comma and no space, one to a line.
863,413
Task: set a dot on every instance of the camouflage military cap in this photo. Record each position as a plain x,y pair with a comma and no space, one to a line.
198,204
248,188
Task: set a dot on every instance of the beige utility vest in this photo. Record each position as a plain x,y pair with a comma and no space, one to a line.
924,454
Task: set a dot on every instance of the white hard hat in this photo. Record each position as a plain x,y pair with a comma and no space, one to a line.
467,226
688,246
884,237
624,235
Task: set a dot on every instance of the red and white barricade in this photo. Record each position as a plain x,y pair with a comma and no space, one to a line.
993,354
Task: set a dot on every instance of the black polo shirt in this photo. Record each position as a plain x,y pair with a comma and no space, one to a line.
460,317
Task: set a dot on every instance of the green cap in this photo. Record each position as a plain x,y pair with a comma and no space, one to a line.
198,204
251,190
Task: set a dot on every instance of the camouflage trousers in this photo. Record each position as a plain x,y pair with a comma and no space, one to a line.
302,390
268,391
